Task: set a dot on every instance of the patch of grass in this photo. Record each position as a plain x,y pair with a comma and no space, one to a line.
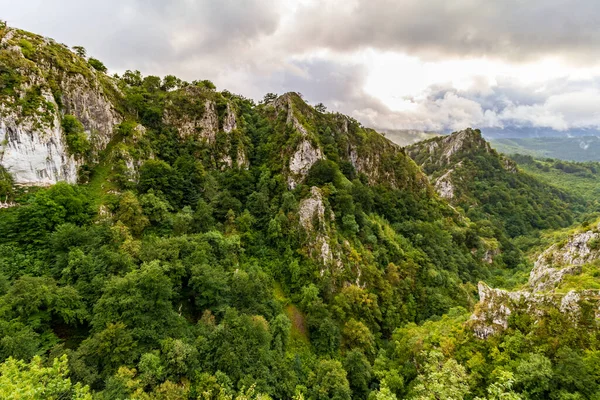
299,332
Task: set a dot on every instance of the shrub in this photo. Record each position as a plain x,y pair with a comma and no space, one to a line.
27,48
77,141
97,65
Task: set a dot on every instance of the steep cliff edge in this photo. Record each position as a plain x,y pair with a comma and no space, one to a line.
41,81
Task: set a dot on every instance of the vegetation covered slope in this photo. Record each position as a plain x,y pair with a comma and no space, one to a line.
473,176
579,178
174,264
217,248
503,201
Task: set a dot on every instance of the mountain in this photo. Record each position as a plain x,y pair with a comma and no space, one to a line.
162,239
530,132
205,227
465,170
572,148
578,178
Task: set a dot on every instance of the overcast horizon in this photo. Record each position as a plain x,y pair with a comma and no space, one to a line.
434,66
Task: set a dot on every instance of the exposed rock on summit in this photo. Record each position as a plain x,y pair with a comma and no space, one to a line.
32,144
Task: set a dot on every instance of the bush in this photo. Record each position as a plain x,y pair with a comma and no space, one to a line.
97,65
77,141
27,48
322,172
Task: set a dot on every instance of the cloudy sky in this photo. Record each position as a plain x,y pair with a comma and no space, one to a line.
436,65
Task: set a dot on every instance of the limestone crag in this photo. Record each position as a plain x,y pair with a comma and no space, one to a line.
230,123
33,153
561,260
305,156
444,186
32,144
87,102
312,215
539,298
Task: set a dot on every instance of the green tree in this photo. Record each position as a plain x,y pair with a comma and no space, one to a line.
358,368
440,379
131,214
533,375
142,301
80,50
77,141
502,388
32,381
328,381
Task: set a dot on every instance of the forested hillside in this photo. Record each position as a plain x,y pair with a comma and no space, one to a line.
173,241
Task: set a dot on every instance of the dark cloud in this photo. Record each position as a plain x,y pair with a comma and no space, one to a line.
507,29
152,35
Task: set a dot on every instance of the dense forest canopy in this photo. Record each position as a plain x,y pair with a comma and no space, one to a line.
215,247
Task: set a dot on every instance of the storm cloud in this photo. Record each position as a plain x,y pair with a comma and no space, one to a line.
459,63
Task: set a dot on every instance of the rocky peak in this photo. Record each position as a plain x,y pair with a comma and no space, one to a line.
54,80
306,152
289,102
441,150
465,140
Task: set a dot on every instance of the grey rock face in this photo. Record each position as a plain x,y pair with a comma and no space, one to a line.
558,261
495,305
305,156
32,145
311,213
33,154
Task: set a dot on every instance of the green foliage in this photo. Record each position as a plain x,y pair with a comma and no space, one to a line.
80,50
77,141
33,380
27,48
440,379
174,275
328,381
6,183
97,65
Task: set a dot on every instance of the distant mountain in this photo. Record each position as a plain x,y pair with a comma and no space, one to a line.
534,132
465,170
578,148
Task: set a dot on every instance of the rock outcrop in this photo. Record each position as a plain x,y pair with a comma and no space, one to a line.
32,144
541,297
563,259
312,219
34,154
305,156
316,223
306,153
440,157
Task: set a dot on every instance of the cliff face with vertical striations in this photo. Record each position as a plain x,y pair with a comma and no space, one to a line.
41,82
